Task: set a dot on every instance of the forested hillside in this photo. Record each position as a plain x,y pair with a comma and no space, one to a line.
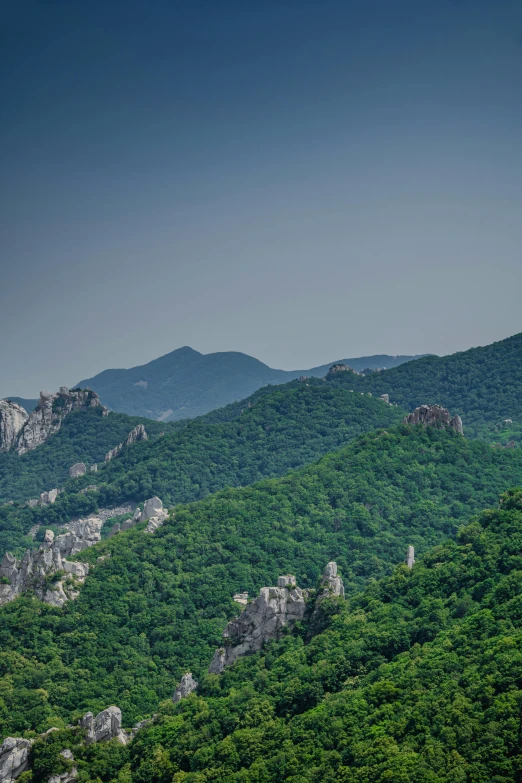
279,429
185,383
482,385
158,605
85,436
415,680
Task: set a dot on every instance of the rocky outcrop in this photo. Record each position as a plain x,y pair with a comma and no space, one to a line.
12,419
339,367
410,557
331,584
48,498
104,727
240,598
51,577
434,416
153,513
385,398
14,758
137,434
274,609
78,469
185,687
47,417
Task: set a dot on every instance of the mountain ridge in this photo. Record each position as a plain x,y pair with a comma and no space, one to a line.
186,383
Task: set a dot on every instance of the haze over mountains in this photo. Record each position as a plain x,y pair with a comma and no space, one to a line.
185,383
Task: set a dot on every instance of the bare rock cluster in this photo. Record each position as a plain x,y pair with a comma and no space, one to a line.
339,367
152,512
24,432
136,434
263,619
47,572
434,416
104,727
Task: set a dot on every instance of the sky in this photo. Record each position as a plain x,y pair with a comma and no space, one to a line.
300,180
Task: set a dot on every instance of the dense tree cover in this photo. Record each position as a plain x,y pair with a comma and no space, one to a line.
482,385
185,383
85,436
158,605
282,428
415,680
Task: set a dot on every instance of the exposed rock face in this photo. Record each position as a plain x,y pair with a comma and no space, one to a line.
331,583
385,398
47,417
78,469
434,416
36,569
262,620
14,758
185,687
410,557
138,433
342,368
48,498
104,727
154,512
12,419
240,598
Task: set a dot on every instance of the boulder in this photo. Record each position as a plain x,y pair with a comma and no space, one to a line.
14,758
434,416
12,420
78,469
48,498
331,583
104,727
154,513
263,619
185,687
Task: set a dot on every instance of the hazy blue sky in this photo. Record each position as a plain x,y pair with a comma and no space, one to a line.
300,180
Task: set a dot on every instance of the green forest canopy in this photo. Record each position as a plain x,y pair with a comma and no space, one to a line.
160,603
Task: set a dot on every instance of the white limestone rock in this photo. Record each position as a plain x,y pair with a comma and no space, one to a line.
263,619
12,419
185,687
14,758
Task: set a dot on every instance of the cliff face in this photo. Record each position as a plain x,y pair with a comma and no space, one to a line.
47,572
12,419
262,620
45,420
